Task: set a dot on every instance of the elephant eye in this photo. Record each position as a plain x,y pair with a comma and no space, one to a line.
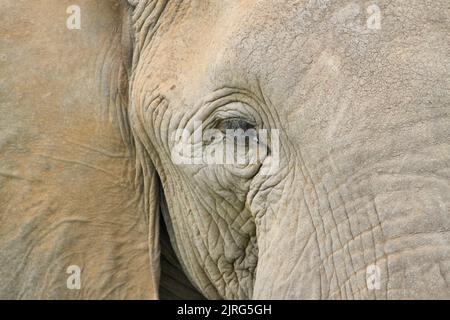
234,124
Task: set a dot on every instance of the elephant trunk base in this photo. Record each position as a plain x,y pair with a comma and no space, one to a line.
392,241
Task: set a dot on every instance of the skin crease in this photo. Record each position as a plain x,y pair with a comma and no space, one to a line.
85,169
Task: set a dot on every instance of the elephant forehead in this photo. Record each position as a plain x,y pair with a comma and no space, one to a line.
235,44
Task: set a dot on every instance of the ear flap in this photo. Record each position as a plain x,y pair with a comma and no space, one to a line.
72,226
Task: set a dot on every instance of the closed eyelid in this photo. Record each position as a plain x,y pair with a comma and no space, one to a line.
234,124
234,116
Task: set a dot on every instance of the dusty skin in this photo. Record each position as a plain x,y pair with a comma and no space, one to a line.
359,207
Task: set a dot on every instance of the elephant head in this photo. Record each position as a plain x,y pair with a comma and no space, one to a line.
362,115
349,104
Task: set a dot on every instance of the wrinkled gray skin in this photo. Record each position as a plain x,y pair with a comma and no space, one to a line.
364,121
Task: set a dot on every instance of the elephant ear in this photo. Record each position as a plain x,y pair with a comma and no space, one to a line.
73,224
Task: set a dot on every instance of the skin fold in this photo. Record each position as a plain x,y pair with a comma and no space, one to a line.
87,177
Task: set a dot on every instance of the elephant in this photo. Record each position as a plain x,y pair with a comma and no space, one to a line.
349,199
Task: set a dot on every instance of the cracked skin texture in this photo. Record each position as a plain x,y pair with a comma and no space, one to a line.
85,167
